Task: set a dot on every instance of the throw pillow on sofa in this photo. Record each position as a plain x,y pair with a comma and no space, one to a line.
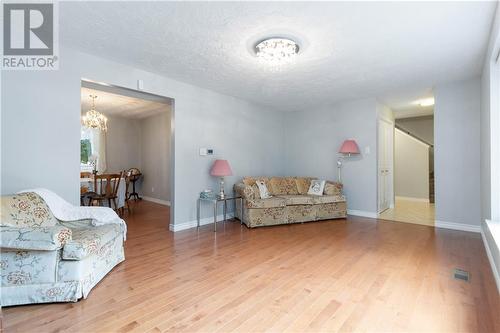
263,191
317,187
332,189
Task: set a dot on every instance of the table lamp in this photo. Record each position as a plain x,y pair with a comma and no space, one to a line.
348,147
221,169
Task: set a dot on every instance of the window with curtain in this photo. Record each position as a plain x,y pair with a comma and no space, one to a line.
92,145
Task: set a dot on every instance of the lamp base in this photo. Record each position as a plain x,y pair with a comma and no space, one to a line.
221,194
339,169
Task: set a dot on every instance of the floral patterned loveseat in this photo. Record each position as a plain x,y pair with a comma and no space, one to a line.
289,203
45,260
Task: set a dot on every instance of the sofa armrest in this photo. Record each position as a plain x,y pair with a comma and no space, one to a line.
245,191
34,238
333,188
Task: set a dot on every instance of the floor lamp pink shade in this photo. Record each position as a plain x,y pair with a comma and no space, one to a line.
220,169
349,147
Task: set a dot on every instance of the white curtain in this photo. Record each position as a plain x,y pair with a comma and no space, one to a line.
99,140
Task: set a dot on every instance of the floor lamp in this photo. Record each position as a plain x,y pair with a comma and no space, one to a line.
348,148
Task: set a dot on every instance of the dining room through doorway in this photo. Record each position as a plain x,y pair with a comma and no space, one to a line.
125,141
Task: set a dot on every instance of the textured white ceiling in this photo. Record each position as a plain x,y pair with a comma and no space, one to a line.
348,49
119,105
405,103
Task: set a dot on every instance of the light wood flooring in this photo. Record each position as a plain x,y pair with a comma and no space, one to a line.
410,211
341,275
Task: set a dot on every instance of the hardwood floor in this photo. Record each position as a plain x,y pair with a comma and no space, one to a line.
341,275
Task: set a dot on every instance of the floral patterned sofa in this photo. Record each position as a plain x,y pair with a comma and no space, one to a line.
46,260
289,203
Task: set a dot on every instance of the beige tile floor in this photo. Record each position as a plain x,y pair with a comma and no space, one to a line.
410,211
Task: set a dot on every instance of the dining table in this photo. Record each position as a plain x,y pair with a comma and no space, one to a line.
88,184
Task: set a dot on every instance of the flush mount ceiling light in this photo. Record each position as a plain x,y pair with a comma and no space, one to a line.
277,50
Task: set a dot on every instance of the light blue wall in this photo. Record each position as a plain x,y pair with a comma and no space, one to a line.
41,129
457,152
313,138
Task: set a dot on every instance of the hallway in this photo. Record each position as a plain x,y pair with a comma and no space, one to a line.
410,211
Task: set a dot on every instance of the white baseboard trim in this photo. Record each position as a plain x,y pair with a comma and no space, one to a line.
457,226
158,201
413,199
362,213
193,224
494,268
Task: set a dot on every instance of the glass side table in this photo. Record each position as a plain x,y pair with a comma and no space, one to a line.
215,201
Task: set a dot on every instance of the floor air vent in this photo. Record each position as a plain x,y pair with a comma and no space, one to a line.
460,274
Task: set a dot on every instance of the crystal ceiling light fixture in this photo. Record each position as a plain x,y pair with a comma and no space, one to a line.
277,50
95,119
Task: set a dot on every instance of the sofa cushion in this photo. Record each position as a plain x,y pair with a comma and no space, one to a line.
303,184
298,199
34,238
25,210
251,180
333,188
88,240
324,199
244,191
273,202
283,185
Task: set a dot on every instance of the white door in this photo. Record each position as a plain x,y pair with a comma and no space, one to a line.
385,164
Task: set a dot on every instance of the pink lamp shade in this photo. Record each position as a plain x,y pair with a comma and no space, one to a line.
221,168
349,147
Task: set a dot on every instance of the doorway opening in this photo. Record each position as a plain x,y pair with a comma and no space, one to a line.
408,162
126,150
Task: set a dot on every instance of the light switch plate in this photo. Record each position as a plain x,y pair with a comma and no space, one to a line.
140,84
367,150
203,152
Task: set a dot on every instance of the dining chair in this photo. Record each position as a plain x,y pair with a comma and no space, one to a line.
106,189
85,192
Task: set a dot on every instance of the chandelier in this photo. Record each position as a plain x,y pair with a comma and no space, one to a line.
277,51
94,119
